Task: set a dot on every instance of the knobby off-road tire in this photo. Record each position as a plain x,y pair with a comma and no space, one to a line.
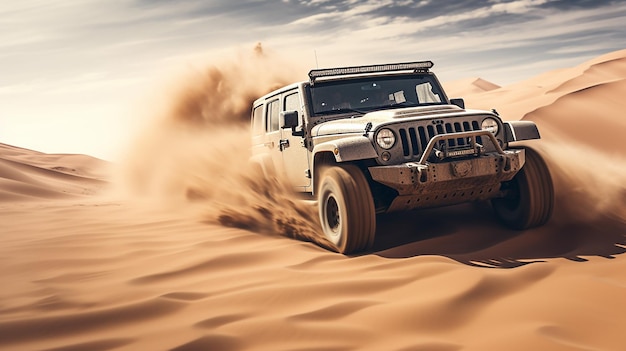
346,209
530,198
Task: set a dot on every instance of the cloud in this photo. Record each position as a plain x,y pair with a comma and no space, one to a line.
130,36
104,51
496,36
409,18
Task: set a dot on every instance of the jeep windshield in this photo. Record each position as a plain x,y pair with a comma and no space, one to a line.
368,94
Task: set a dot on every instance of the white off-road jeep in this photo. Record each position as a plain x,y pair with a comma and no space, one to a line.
373,139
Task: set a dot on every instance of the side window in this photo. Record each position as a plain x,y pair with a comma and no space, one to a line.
257,120
292,102
272,116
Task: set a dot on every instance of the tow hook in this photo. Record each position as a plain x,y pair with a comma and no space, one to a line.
439,154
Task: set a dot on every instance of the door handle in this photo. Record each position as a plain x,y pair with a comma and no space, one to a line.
284,143
269,144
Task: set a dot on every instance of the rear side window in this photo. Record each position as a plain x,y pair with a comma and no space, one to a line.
272,116
257,120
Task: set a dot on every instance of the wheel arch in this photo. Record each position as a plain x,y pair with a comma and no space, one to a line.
520,130
345,150
321,160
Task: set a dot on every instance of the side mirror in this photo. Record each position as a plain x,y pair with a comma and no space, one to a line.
458,102
289,119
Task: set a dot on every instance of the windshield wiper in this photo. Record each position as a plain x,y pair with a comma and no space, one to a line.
339,111
405,104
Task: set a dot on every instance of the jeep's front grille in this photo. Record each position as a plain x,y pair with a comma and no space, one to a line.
415,139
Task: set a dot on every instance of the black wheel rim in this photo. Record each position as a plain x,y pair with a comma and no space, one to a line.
332,214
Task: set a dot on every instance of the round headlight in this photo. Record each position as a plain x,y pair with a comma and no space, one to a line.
491,125
385,138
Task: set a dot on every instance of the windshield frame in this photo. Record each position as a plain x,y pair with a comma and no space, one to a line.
372,93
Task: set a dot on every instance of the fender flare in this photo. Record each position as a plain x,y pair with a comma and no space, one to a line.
348,149
520,130
342,150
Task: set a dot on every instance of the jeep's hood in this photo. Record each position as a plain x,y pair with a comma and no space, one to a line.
378,118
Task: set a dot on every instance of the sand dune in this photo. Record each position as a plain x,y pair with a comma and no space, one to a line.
468,86
592,115
26,174
516,100
207,263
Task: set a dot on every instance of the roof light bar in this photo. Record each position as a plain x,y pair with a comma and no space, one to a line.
341,71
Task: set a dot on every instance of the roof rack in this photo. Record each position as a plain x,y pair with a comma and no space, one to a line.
419,66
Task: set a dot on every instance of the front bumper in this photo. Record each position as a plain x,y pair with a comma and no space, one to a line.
449,181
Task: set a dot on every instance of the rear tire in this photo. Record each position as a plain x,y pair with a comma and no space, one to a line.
530,195
346,209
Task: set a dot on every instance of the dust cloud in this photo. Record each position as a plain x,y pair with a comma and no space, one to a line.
589,184
195,153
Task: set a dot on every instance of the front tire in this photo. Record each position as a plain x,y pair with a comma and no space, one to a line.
346,209
530,195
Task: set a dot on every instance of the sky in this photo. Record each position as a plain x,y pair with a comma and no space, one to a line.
72,72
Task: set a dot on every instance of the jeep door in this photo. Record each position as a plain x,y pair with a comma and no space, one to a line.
258,130
295,154
273,132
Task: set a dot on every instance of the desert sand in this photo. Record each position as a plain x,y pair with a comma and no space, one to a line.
179,247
